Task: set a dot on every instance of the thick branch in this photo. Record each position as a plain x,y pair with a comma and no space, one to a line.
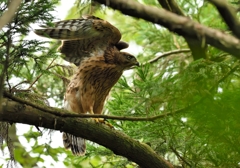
178,24
9,13
228,14
198,51
118,142
172,6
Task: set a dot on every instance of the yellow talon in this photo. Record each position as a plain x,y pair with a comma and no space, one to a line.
98,120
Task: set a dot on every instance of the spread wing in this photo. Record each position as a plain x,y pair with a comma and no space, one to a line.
85,37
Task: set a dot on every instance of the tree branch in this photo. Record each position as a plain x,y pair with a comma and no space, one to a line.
65,113
118,142
39,76
228,14
166,54
9,13
178,24
179,156
198,51
14,111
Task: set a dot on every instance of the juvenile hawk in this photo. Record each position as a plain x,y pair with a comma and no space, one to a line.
94,46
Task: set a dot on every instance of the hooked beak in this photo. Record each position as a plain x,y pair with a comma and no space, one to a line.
137,64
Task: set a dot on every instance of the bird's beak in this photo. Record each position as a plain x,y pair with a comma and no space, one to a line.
137,64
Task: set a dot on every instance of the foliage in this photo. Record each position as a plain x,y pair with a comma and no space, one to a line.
202,95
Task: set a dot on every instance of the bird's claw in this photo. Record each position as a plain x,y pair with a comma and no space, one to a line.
102,121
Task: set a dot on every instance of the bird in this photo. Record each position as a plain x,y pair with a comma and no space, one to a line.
94,45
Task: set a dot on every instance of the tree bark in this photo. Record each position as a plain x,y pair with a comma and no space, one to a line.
9,13
118,142
228,14
198,50
181,25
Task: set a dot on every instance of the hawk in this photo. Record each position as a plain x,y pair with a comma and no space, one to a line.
94,46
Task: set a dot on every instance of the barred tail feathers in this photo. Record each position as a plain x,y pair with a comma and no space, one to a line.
76,144
59,34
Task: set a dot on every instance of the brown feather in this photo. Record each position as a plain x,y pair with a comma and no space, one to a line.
85,37
94,45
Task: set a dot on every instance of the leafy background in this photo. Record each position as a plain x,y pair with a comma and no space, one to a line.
202,96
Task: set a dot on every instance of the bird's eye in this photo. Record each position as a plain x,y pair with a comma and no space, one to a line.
129,57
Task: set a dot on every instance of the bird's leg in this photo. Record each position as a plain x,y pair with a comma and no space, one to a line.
97,120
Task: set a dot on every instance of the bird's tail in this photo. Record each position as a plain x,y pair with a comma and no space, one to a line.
76,144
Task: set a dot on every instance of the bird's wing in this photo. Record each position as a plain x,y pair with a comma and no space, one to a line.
85,37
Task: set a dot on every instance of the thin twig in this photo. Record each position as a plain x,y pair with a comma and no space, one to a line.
14,88
49,66
62,77
179,156
235,67
65,113
167,54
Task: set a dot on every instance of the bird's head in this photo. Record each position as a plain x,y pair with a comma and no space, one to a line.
127,60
